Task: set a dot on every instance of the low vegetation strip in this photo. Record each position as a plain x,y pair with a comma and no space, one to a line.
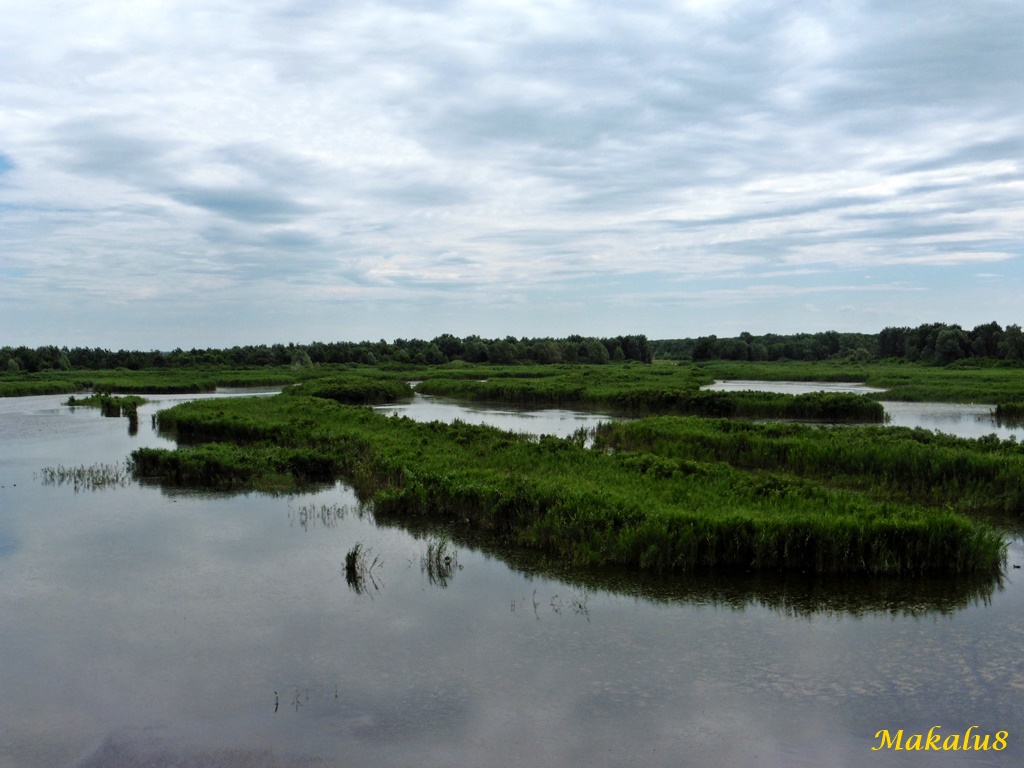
645,395
914,465
1012,413
902,381
624,386
353,390
151,381
110,405
586,506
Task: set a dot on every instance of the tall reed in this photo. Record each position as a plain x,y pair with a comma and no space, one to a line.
907,464
586,506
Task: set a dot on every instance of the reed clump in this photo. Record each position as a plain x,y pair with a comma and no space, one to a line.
354,390
323,515
1009,413
91,478
585,506
225,466
440,561
897,463
360,563
110,405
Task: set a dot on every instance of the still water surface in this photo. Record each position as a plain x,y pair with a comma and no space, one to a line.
962,420
149,627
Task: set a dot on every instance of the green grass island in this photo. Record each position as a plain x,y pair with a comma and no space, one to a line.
681,478
691,481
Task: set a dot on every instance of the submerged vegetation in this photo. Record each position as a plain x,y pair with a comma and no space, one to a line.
635,508
440,561
325,515
83,478
360,564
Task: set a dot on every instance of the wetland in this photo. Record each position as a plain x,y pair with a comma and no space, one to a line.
147,622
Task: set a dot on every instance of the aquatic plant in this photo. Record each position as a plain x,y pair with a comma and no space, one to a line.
629,386
360,563
583,506
641,393
324,515
353,389
224,466
902,381
1009,413
91,478
440,561
912,465
110,405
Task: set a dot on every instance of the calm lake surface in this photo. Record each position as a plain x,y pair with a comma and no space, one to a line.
952,418
144,627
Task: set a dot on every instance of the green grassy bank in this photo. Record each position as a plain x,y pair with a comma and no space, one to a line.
110,405
353,389
910,382
891,463
1010,413
660,387
149,381
586,506
667,388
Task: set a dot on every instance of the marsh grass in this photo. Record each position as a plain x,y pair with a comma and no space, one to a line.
586,507
1009,414
642,391
82,478
322,516
440,561
152,380
225,466
360,564
24,386
354,389
111,405
893,463
903,381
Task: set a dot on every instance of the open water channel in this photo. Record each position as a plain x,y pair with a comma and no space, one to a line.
150,627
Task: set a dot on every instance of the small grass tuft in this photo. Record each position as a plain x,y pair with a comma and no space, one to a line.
360,563
82,478
440,561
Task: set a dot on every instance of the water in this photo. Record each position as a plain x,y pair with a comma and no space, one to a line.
791,387
551,421
143,627
962,420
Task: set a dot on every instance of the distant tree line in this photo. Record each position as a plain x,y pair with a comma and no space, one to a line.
799,346
442,349
934,343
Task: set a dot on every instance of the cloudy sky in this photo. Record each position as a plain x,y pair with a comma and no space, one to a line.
219,172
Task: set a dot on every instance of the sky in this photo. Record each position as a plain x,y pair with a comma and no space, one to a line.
206,173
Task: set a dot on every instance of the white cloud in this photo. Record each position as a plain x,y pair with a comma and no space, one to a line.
443,153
